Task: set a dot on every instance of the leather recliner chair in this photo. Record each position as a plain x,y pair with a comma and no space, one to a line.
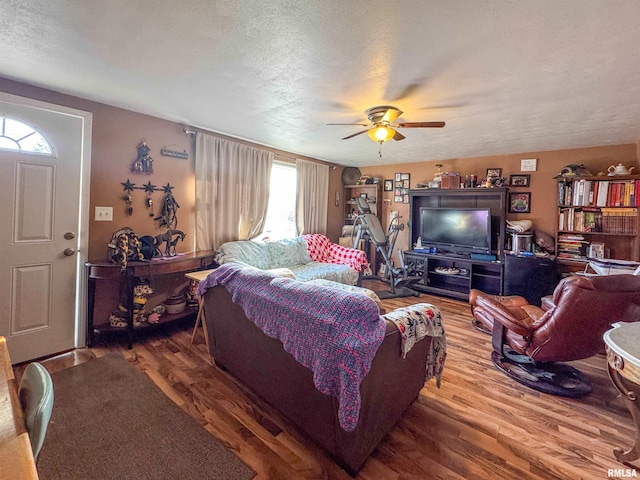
528,340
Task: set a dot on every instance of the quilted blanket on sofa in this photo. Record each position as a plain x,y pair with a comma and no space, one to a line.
335,334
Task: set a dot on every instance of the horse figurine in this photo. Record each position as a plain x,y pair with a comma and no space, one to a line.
170,238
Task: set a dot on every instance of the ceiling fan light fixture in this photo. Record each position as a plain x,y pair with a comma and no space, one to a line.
381,134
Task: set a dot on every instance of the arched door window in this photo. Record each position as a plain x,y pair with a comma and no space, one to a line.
18,136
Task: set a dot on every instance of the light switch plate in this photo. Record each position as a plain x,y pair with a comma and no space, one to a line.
104,214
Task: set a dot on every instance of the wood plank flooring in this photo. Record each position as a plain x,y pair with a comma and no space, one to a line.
478,425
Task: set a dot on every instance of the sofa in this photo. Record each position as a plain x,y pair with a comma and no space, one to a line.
246,311
307,257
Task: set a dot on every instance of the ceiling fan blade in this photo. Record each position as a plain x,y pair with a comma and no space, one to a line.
390,115
356,134
398,136
420,125
361,124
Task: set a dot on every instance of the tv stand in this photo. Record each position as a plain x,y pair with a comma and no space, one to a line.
438,274
483,274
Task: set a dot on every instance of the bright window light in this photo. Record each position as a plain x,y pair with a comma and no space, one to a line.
15,135
281,213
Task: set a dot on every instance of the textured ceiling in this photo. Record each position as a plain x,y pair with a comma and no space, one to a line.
506,76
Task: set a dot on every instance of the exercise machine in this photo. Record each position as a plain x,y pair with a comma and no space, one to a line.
367,227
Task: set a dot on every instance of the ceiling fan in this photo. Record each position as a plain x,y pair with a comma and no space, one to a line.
382,127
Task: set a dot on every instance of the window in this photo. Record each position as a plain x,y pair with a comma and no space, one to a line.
281,212
20,137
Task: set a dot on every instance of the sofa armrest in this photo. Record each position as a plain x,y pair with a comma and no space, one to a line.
354,258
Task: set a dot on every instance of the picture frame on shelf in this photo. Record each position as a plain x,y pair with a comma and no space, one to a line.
364,195
595,250
494,172
388,185
519,180
519,202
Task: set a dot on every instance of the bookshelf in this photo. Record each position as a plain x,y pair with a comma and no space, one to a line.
598,217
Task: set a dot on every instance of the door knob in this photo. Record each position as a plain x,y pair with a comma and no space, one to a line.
69,251
69,236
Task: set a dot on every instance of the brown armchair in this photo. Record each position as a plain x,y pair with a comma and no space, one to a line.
528,340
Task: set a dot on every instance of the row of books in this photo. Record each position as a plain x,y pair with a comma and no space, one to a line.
599,193
573,247
605,220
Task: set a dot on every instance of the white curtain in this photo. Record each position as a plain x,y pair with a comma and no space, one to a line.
312,193
232,191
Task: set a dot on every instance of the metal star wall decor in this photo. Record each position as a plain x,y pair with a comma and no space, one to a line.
128,186
167,188
148,188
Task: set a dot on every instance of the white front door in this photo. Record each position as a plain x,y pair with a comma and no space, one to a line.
41,199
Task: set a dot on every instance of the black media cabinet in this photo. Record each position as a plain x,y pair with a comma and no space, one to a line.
483,275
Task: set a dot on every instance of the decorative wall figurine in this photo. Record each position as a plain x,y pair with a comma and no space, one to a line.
128,188
168,209
144,163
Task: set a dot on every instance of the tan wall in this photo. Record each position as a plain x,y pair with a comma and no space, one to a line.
117,132
542,187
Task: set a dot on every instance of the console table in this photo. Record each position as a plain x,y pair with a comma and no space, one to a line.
182,263
622,344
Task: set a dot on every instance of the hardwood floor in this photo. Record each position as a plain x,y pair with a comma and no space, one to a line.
478,425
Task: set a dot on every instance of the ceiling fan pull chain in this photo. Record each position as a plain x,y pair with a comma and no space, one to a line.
380,149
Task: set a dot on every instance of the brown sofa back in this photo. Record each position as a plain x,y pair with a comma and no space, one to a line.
262,364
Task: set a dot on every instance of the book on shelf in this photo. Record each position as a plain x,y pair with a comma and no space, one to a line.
599,193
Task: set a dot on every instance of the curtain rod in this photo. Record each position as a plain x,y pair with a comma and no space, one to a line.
190,131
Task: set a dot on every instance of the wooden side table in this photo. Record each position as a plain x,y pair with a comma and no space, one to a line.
622,344
200,319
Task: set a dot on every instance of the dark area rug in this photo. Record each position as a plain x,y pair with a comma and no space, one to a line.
110,421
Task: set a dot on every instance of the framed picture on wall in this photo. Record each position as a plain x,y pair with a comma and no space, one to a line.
521,180
388,185
397,177
520,202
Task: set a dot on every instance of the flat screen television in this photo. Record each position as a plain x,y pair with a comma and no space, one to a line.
456,230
